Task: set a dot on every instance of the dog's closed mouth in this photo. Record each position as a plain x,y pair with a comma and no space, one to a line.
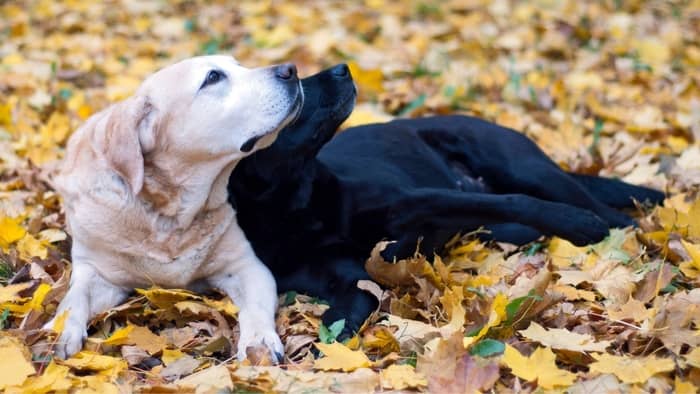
250,144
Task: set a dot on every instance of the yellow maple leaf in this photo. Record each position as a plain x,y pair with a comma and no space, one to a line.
559,338
693,358
9,293
369,79
451,301
56,129
539,366
225,306
36,303
137,335
337,356
379,339
5,114
95,384
691,268
54,379
686,223
402,377
10,231
90,361
146,339
119,336
631,369
29,247
14,362
214,379
564,254
166,298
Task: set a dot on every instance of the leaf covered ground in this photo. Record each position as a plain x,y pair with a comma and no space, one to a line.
604,87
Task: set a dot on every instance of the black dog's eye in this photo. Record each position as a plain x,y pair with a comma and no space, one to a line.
213,77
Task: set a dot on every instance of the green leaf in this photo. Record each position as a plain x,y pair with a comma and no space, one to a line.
3,318
330,334
411,360
514,306
190,25
533,249
487,347
337,327
415,104
290,298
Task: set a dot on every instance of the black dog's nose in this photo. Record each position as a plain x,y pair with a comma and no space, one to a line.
286,71
341,70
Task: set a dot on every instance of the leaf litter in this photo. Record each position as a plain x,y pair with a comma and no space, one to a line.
610,88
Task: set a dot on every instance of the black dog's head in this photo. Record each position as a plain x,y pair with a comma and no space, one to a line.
329,98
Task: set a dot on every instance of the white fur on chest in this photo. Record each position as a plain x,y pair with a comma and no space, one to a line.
125,256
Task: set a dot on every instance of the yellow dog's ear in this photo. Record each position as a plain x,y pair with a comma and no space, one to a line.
129,133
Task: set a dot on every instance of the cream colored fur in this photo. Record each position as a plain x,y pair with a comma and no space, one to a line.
144,187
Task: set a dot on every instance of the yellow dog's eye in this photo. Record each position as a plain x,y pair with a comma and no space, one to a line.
213,77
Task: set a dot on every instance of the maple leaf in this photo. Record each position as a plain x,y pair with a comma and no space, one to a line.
10,231
693,358
631,369
55,378
14,362
90,361
401,377
337,356
539,366
558,338
214,379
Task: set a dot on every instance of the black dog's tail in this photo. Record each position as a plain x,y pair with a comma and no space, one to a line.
618,194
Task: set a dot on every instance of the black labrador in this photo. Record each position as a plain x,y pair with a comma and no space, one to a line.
313,209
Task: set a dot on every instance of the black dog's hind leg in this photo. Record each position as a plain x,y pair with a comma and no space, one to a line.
545,180
615,193
425,210
515,164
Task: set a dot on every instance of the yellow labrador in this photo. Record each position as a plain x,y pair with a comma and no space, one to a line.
144,185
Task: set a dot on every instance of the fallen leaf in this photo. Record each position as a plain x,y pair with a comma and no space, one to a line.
209,380
559,338
401,377
10,231
90,361
56,378
631,369
15,366
337,356
539,366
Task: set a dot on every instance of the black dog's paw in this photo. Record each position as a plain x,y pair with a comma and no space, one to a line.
583,227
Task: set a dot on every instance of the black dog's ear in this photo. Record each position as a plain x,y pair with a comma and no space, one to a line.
128,133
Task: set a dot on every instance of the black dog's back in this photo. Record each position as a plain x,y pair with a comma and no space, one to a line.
378,162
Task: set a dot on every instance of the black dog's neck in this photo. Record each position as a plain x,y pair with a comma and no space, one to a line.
290,183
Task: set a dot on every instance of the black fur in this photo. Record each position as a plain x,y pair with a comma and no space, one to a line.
313,207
